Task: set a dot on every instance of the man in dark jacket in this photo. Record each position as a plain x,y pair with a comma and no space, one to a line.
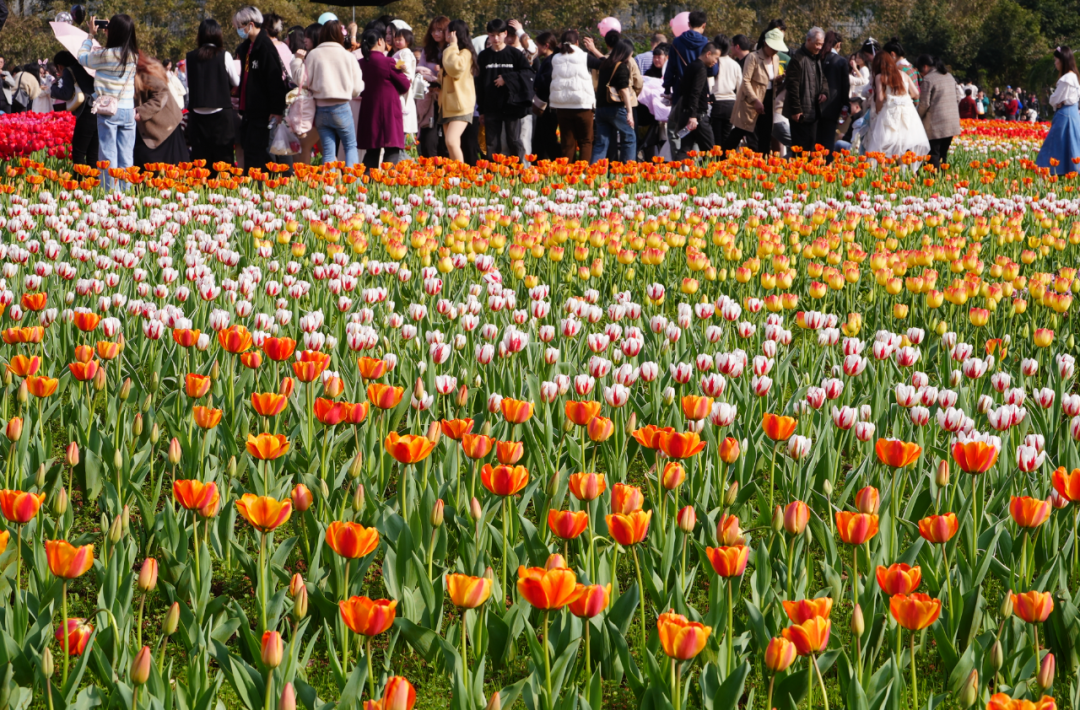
262,87
693,106
806,89
503,91
838,77
684,50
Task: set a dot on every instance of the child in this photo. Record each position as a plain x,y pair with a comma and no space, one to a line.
406,59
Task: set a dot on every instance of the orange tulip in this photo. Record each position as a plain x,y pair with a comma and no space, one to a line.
856,528
796,517
20,507
509,453
916,611
193,495
16,336
899,578
86,322
399,694
263,512
468,592
279,349
456,428
805,609
975,456
811,636
868,500
476,446
939,529
356,413
329,412
351,540
186,337
196,386
581,413
728,561
78,635
83,353
34,301
730,450
371,368
681,445
779,654
67,561
1067,484
84,371
107,350
626,499
23,366
1033,607
567,524
672,476
547,589
516,411
368,617
311,365
267,447
384,396
408,448
1001,701
590,600
696,408
287,386
649,436
251,359
587,486
629,528
235,339
504,480
896,453
268,404
681,639
1029,512
778,428
600,429
206,417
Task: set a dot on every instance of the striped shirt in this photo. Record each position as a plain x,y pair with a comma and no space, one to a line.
111,78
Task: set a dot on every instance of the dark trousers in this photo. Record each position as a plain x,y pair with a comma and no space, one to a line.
760,139
576,129
699,139
826,133
84,142
431,143
939,150
720,118
255,141
804,135
545,141
211,136
493,129
470,144
374,157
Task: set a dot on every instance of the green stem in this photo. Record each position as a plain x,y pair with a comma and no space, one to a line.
730,624
345,636
138,632
948,584
370,672
674,685
641,592
262,580
824,693
768,702
134,699
269,687
914,682
505,522
67,654
547,662
464,645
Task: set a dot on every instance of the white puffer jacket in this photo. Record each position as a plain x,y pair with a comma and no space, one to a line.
571,82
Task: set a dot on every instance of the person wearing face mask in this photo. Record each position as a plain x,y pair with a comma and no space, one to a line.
381,128
262,87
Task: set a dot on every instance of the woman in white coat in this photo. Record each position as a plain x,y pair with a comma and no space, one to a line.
573,97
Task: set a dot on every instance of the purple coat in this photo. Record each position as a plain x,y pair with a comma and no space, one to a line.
380,123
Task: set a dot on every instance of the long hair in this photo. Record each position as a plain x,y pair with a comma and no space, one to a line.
622,51
549,41
313,32
832,38
210,39
460,31
121,35
146,68
433,49
891,76
332,31
568,40
1068,61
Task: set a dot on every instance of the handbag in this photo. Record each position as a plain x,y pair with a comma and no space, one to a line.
301,112
104,106
613,94
76,101
20,100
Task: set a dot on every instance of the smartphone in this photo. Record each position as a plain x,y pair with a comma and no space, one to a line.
101,24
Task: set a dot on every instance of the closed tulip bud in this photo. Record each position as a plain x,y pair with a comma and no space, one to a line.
172,620
687,519
437,513
117,459
669,396
300,604
997,656
295,583
495,703
147,401
23,394
568,426
778,519
418,389
858,623
631,423
7,378
47,663
969,692
140,667
125,389
215,371
155,382
555,561
231,468
475,510
155,434
71,455
39,478
272,649
1006,606
486,429
357,466
125,520
100,379
14,429
462,396
137,425
148,574
809,533
116,530
60,502
288,698
1046,671
732,494
553,484
358,498
434,432
827,488
324,490
104,522
943,474
174,451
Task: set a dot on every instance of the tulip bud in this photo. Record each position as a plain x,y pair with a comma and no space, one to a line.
7,377
14,429
140,667
489,574
47,663
137,425
147,401
475,510
116,530
858,624
172,620
827,488
1006,606
300,604
778,519
358,498
631,423
486,429
215,371
295,584
272,649
809,533
23,394
669,396
568,426
796,516
462,397
118,459
155,434
997,656
687,519
100,379
301,498
148,574
125,389
60,502
434,432
324,489
155,382
288,698
437,514
357,466
969,692
731,495
553,484
943,474
555,561
125,520
71,455
495,703
174,452
418,389
231,468
39,478
1046,671
104,522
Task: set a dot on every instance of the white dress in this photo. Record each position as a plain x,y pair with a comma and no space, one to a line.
897,128
408,99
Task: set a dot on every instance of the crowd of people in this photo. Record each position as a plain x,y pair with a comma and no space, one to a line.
370,95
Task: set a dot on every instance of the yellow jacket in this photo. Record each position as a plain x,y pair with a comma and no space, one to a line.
458,94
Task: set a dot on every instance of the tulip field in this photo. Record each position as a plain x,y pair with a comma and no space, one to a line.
730,433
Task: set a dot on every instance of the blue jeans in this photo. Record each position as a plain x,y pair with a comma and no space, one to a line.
116,143
609,121
335,123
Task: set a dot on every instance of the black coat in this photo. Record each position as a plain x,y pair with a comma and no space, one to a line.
804,81
837,75
693,93
542,82
266,88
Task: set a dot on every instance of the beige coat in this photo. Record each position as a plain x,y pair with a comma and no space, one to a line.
938,107
457,96
755,82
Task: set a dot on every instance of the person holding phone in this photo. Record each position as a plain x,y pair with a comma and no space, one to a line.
114,90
